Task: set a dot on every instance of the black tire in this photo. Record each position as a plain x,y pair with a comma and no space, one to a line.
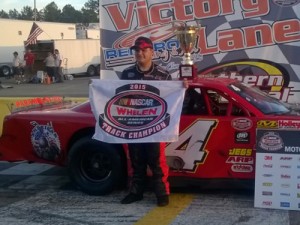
95,166
91,71
5,71
98,69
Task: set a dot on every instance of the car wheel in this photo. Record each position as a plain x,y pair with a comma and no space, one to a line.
5,71
91,71
94,166
98,69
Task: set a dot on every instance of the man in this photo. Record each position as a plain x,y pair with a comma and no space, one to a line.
16,64
58,69
29,58
147,154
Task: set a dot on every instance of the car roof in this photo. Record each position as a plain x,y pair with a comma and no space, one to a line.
212,81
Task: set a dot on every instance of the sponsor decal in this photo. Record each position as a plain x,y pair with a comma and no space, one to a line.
285,185
267,203
267,124
271,141
267,193
285,158
242,168
242,137
268,166
241,124
285,204
285,194
267,184
285,166
240,151
136,111
31,103
293,149
268,157
45,141
285,176
267,175
240,160
288,124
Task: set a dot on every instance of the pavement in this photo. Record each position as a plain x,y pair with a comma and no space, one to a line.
78,87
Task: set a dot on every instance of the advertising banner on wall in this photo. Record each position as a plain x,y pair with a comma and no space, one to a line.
277,177
257,42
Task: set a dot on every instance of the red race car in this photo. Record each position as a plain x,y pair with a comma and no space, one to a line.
217,137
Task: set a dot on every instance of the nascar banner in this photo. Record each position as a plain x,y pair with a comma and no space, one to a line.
136,111
257,42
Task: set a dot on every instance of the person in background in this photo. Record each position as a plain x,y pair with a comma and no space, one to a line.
50,65
58,68
16,65
29,59
147,154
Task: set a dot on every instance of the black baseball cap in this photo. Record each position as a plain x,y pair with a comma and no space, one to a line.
142,43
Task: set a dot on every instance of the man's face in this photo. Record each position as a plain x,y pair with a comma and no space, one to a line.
144,55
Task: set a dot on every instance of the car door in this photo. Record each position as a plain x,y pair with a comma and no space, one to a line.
216,138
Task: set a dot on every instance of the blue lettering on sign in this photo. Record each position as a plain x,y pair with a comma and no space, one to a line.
116,53
124,52
285,204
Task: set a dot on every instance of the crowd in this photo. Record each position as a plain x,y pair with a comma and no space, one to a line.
23,70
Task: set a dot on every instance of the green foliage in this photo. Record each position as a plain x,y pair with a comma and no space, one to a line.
51,13
4,14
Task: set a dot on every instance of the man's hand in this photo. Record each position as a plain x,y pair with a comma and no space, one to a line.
185,83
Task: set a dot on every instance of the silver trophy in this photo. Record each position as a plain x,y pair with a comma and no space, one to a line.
186,36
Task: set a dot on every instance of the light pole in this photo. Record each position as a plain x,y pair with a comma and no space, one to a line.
34,11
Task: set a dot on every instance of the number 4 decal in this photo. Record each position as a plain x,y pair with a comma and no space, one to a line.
190,146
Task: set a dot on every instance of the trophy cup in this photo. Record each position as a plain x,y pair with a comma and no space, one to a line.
186,36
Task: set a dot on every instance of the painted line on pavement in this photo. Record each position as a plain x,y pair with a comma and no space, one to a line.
165,215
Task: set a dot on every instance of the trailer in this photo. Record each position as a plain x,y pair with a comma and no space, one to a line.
79,56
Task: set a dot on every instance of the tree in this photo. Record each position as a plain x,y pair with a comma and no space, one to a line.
13,14
4,14
52,13
70,15
92,5
90,11
26,13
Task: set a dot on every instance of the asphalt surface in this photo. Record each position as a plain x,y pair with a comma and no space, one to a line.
41,194
78,87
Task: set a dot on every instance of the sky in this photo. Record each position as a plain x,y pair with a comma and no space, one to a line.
7,5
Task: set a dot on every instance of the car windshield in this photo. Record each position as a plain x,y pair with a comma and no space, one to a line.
259,99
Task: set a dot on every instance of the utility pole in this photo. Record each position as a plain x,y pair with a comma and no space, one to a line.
34,11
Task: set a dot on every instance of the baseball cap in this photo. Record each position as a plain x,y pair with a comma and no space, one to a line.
141,43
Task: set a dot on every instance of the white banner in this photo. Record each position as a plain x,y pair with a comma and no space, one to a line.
136,111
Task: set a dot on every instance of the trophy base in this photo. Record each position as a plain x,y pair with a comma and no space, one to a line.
187,72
